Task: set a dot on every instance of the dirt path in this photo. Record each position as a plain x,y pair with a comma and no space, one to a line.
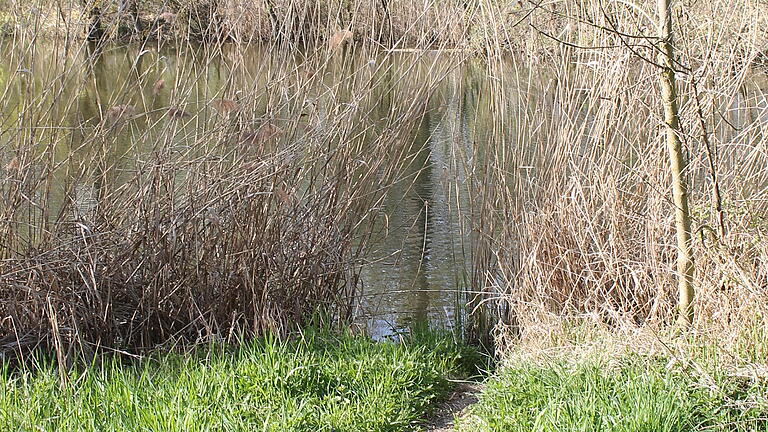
464,395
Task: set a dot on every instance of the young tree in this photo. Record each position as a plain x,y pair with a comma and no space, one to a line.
677,164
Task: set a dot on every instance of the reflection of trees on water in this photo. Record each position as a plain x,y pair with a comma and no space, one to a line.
426,233
425,254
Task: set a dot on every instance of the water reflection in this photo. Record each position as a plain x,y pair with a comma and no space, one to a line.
110,109
422,256
425,255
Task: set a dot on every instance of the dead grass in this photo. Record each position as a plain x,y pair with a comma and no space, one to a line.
571,217
576,218
139,225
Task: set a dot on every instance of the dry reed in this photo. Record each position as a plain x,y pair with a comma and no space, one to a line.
576,217
126,224
570,216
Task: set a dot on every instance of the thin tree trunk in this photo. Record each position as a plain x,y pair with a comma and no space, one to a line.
677,165
386,23
131,9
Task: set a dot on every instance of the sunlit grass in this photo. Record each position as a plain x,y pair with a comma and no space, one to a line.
313,383
632,394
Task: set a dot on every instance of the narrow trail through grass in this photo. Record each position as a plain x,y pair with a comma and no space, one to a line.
457,404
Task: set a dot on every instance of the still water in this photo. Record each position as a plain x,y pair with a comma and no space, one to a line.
420,253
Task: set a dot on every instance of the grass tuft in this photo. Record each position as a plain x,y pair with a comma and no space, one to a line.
634,393
313,383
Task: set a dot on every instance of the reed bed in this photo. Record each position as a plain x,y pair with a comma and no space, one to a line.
570,217
575,216
393,24
477,26
151,201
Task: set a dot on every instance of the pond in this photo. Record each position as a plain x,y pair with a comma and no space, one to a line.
419,261
419,258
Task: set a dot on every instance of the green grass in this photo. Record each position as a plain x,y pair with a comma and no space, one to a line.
316,383
634,394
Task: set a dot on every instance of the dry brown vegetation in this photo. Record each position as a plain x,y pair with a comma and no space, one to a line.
126,226
382,22
577,211
475,25
211,233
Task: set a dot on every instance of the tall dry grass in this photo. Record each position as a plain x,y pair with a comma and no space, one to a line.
393,24
479,26
576,217
192,193
570,217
